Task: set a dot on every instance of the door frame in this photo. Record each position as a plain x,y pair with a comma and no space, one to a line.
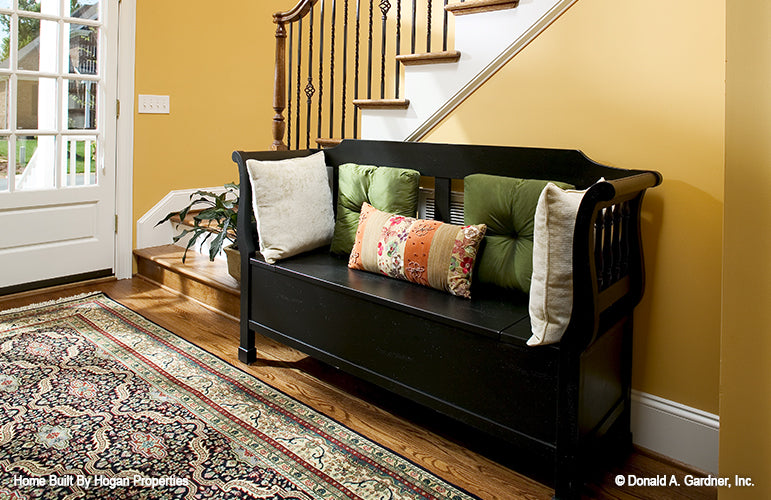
124,144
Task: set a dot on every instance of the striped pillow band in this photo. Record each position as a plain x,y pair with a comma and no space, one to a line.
427,252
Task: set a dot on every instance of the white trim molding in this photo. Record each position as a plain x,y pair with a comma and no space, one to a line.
686,434
150,235
124,161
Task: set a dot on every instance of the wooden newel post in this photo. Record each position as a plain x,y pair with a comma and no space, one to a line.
279,89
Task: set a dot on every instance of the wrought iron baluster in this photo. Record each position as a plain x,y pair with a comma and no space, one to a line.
345,67
332,70
321,68
289,92
428,26
398,46
356,69
309,89
385,6
299,66
444,27
369,51
414,24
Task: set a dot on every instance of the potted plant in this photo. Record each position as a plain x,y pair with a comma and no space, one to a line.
216,221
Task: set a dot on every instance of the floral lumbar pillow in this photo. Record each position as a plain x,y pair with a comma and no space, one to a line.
426,252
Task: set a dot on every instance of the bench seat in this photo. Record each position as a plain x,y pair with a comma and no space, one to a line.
496,313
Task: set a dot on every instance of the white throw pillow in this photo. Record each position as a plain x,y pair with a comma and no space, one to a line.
551,288
292,204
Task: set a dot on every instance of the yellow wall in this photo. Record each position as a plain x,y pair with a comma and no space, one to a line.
637,87
745,381
217,69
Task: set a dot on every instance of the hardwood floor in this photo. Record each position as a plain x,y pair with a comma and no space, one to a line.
442,447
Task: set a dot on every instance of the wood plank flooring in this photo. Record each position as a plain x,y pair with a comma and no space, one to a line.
444,448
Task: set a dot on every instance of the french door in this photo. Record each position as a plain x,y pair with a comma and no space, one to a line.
58,80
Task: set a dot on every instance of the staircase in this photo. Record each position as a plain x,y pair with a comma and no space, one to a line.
378,82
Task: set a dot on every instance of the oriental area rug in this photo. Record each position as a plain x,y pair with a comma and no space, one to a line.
99,402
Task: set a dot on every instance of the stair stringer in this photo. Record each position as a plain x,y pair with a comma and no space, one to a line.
486,41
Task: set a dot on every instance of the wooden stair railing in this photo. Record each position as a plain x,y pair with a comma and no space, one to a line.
349,65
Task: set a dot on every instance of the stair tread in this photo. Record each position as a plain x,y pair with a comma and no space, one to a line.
382,103
197,266
474,6
447,56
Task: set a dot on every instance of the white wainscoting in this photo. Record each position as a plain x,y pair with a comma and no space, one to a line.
150,235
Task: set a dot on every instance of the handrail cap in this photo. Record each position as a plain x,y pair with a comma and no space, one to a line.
295,14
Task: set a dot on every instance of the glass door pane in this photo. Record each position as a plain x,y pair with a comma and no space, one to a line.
50,93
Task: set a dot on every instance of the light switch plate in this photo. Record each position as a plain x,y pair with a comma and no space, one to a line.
157,104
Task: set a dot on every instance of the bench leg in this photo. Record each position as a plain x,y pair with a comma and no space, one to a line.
568,483
246,351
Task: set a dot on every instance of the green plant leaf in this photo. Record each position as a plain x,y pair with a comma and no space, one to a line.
182,235
168,216
190,243
216,217
216,245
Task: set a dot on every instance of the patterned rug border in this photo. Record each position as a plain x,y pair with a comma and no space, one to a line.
199,351
69,298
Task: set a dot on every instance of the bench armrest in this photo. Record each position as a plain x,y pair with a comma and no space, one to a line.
608,264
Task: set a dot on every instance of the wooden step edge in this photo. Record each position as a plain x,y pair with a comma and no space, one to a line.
328,142
476,6
448,56
381,103
234,315
170,257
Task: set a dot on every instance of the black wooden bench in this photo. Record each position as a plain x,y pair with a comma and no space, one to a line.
555,405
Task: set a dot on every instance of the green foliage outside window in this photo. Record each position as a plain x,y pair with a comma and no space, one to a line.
29,28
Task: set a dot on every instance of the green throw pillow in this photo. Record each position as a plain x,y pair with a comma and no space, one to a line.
393,190
507,206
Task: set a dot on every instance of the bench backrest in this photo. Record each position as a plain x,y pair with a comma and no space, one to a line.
448,162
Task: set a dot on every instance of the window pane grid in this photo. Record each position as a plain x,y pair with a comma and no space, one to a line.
50,93
46,17
83,16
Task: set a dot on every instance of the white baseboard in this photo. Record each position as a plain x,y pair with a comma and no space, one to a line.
150,235
677,431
